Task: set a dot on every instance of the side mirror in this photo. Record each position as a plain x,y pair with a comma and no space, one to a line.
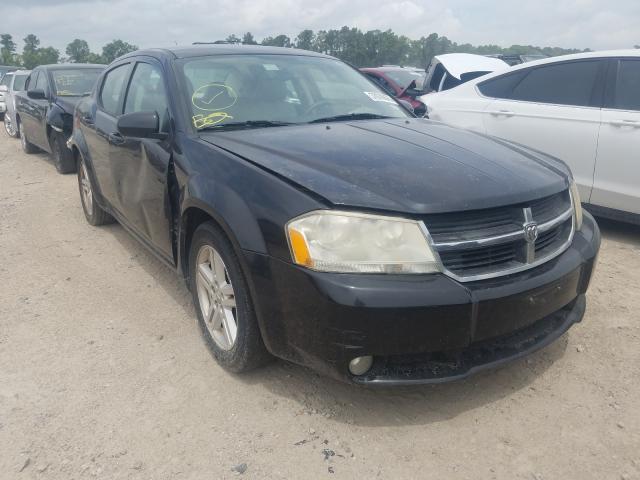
407,105
36,94
413,92
139,124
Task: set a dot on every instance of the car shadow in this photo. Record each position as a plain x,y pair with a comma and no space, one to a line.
314,394
164,276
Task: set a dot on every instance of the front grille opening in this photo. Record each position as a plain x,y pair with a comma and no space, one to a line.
456,236
462,262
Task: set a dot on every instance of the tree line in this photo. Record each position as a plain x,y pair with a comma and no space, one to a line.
378,47
77,51
371,48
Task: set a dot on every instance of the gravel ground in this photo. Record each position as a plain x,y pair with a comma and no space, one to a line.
103,374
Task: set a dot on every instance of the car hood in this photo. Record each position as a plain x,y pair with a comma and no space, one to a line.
413,166
68,104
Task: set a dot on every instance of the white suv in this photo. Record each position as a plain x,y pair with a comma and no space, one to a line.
583,109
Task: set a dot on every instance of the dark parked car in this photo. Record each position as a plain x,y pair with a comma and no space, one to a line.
401,83
314,219
44,112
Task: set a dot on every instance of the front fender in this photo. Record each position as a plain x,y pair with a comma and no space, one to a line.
59,120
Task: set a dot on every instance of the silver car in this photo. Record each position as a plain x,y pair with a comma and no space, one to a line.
12,82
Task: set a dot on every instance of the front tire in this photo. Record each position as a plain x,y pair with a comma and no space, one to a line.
62,156
223,302
94,214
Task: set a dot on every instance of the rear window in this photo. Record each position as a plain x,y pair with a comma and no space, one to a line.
561,84
627,92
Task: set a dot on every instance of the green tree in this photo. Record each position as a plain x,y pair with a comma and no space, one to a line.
47,56
31,43
247,39
8,50
233,39
78,51
34,55
279,41
305,40
95,58
116,49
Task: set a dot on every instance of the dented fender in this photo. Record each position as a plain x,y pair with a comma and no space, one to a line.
59,119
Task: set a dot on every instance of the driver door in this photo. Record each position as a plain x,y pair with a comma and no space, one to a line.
139,166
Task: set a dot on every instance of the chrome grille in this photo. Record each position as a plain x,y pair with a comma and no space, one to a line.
487,243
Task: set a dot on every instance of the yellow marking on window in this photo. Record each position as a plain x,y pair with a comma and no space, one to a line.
210,97
200,121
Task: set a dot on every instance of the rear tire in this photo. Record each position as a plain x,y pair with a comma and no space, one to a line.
231,329
94,214
27,146
62,156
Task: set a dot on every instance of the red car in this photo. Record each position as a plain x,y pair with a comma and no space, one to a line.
396,82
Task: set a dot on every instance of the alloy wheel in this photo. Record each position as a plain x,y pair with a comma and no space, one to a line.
216,297
85,189
9,126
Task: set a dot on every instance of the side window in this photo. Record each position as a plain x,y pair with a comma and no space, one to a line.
111,92
31,81
41,82
501,87
564,84
147,94
436,78
627,92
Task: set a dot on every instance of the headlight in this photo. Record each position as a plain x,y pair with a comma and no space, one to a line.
332,241
577,205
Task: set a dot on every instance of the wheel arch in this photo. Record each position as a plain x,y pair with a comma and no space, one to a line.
194,215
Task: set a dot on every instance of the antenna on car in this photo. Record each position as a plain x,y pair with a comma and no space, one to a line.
217,42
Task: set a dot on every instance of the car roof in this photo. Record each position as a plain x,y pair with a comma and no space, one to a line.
222,49
69,66
630,52
560,58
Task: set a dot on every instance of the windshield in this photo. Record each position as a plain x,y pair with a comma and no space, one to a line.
19,82
404,77
228,90
74,82
6,80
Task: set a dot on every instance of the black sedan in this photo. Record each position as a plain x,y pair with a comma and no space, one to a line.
44,110
316,220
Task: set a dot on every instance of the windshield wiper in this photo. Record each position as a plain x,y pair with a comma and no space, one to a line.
350,116
245,124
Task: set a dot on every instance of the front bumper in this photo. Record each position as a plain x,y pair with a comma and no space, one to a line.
418,328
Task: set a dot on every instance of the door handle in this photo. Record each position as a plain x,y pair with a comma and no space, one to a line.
504,113
116,138
87,119
625,123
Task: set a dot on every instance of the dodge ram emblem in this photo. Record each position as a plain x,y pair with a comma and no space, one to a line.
530,232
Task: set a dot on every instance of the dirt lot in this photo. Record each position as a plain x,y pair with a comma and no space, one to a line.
103,375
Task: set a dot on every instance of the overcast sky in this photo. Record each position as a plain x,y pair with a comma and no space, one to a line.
595,24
